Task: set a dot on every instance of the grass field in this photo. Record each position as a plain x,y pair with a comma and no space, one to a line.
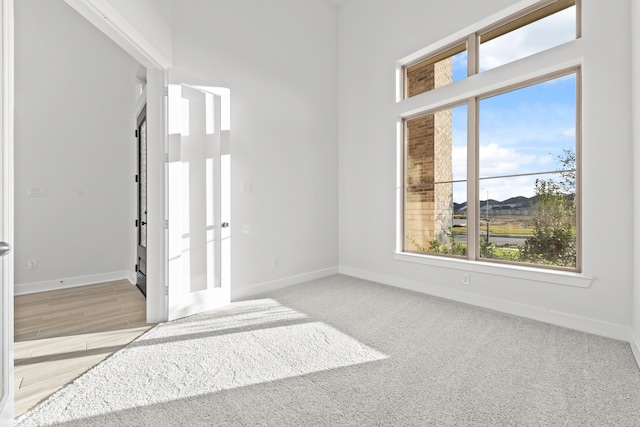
511,233
503,225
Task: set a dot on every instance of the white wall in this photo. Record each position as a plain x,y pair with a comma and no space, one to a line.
152,18
635,108
374,34
74,122
142,27
279,60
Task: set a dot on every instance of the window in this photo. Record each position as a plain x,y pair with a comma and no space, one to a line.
435,175
494,176
532,31
436,70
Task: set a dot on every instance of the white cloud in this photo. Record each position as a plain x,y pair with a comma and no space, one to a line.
533,38
546,160
570,133
500,189
503,189
459,162
496,160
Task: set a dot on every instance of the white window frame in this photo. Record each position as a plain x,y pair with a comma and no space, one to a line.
559,60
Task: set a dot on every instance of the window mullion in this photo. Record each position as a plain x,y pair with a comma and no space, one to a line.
473,224
578,189
473,233
578,19
473,63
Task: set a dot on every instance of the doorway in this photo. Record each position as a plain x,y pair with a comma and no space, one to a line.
78,228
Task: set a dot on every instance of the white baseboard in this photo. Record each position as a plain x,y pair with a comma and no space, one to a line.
71,282
133,277
250,291
634,342
580,323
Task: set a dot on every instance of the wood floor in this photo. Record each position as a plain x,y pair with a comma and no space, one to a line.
61,334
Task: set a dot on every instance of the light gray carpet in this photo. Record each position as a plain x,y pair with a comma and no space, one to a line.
346,352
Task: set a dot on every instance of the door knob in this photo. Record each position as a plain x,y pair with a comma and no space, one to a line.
225,225
5,248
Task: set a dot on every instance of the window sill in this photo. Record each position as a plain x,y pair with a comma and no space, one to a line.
520,272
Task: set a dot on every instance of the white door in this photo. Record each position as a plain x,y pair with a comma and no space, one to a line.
6,215
198,202
6,282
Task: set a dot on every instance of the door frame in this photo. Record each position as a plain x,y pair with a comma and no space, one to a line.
6,205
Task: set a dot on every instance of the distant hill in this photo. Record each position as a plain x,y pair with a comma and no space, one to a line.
520,200
511,203
459,206
518,205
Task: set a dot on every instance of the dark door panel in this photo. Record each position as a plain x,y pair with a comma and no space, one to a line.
141,280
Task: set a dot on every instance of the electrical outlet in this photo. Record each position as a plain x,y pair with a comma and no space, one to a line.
466,279
37,192
32,264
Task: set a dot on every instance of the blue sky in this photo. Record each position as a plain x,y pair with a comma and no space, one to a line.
521,131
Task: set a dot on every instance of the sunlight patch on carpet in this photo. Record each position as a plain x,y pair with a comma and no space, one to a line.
244,344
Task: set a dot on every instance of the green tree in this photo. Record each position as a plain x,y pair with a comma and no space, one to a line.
554,240
567,180
487,248
435,247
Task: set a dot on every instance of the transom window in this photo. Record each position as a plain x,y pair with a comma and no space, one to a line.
549,24
496,176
